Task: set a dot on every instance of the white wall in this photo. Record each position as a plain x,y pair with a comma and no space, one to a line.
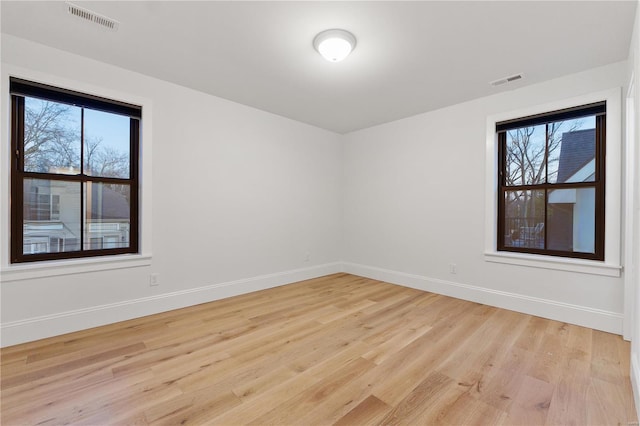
633,214
415,203
399,202
242,200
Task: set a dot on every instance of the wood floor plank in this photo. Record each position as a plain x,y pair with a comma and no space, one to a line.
405,336
45,403
467,410
569,404
531,337
531,403
605,359
368,412
339,349
499,385
409,410
62,384
605,396
114,407
579,343
249,389
471,363
18,379
404,371
264,402
194,409
290,411
548,359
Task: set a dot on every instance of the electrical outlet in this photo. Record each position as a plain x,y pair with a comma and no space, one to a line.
154,280
453,268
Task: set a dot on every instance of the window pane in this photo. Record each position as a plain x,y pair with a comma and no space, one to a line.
524,156
524,219
108,208
51,137
51,216
572,150
106,144
571,218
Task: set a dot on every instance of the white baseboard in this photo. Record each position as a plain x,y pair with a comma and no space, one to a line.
31,329
635,380
580,315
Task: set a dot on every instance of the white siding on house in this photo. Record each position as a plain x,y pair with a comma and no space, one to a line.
584,221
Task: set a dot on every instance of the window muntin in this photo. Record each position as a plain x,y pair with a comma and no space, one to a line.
74,174
551,183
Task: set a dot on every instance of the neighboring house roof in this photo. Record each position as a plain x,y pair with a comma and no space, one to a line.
578,149
114,204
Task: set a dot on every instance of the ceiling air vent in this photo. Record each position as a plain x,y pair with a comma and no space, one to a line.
94,17
505,80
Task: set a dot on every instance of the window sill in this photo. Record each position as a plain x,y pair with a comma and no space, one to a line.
559,264
27,271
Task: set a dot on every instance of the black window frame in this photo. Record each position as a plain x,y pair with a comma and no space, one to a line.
19,89
598,110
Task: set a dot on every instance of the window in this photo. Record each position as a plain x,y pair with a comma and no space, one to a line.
74,176
551,183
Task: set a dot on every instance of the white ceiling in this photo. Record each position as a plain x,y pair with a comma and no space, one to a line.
411,57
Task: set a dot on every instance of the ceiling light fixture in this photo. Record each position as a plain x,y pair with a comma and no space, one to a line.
334,45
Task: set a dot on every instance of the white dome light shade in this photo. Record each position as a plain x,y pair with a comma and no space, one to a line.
334,45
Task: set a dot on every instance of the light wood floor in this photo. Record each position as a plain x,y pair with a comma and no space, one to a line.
335,350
